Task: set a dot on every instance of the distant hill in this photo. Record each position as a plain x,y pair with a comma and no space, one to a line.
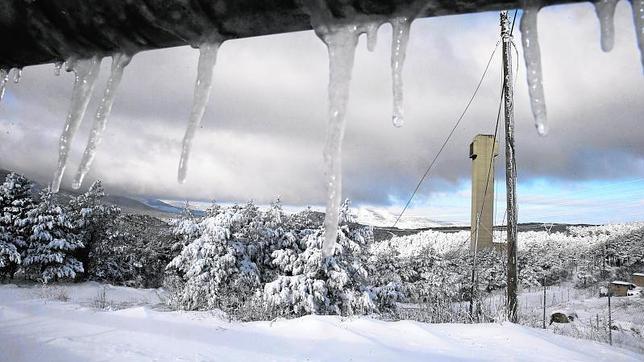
380,219
130,205
384,218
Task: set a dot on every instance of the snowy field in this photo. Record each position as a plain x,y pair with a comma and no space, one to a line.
92,322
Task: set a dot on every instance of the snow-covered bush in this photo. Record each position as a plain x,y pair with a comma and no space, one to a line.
134,252
15,203
53,240
215,270
309,284
264,260
95,222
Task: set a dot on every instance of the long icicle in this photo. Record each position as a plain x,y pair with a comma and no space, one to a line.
341,42
532,56
85,72
605,10
638,20
4,79
203,85
400,28
119,62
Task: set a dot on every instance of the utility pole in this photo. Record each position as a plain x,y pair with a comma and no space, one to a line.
510,168
544,302
610,318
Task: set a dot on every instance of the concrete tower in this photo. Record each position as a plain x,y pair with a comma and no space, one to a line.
483,150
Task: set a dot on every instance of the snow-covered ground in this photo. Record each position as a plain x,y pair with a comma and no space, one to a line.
91,322
627,314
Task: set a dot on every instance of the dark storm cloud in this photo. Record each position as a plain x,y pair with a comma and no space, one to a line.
264,128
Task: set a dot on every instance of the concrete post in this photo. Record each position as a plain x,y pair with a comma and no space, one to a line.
483,149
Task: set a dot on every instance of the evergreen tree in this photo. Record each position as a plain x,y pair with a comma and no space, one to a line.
9,254
53,240
346,215
308,283
135,252
185,228
15,202
95,223
216,270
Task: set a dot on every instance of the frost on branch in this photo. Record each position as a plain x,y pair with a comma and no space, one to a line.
15,203
52,243
216,269
308,283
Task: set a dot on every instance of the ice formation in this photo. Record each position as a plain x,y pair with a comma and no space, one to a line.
341,39
341,43
85,72
400,28
532,55
371,30
638,20
57,67
605,10
203,85
17,75
119,62
4,78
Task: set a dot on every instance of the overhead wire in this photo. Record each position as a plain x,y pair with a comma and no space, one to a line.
451,133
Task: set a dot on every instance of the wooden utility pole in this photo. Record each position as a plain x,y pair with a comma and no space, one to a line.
510,168
610,318
544,302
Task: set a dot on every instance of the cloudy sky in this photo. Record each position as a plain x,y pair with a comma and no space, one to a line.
264,128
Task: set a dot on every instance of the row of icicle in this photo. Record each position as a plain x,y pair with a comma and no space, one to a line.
341,39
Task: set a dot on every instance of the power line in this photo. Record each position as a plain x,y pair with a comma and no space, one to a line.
449,136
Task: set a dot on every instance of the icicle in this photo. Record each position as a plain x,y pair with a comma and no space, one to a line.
4,78
86,72
207,60
119,62
532,55
638,20
400,27
605,10
341,42
57,67
17,75
371,30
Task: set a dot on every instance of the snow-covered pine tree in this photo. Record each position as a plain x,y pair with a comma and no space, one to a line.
134,252
385,283
185,228
9,254
15,202
215,270
94,222
346,215
53,240
309,284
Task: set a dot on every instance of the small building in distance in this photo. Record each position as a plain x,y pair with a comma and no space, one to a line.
638,279
619,288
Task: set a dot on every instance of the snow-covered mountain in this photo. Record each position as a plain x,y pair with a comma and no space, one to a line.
373,216
386,218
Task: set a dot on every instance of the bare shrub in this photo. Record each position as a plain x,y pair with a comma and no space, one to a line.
53,292
100,302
